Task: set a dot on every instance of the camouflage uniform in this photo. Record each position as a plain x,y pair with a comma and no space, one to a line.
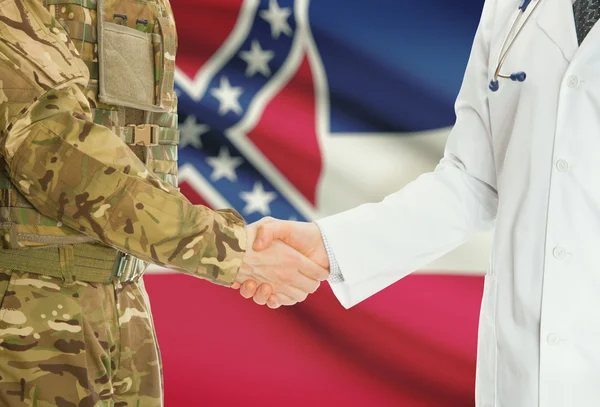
88,141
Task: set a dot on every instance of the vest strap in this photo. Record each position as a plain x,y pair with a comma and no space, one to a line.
66,256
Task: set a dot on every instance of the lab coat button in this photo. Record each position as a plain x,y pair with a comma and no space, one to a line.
559,253
553,339
562,166
572,81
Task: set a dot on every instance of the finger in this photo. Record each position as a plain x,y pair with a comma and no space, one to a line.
236,286
268,219
273,302
295,284
306,285
248,289
309,269
283,299
293,294
262,294
289,273
312,270
269,231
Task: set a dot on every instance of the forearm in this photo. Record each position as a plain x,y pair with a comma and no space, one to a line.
411,227
87,178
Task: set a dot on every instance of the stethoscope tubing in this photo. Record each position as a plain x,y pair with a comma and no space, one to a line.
507,45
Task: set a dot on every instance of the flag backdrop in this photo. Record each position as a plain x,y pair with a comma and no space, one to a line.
298,109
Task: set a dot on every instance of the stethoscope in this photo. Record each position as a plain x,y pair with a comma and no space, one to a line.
506,46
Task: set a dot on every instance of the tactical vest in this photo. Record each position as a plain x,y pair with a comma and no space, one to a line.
129,48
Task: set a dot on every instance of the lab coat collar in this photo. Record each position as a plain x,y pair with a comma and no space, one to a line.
556,19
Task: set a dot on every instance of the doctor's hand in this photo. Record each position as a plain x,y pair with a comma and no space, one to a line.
303,236
285,272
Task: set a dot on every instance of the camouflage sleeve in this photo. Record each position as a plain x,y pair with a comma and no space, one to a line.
82,174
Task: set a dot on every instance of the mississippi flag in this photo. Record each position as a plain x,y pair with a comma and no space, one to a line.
298,109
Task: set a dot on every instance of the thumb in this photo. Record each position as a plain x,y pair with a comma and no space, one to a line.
265,234
269,231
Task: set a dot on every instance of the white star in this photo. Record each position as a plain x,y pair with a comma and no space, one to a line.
190,132
257,60
228,97
277,18
224,165
258,200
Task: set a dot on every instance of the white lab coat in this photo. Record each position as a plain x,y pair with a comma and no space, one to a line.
527,156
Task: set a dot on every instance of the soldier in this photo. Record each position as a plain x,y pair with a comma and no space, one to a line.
88,197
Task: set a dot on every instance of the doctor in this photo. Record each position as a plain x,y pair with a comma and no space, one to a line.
524,153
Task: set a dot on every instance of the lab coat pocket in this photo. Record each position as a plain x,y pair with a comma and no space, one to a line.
485,389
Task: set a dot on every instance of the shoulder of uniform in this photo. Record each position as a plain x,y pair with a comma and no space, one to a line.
36,47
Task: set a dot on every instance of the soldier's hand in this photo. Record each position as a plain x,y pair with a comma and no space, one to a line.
283,273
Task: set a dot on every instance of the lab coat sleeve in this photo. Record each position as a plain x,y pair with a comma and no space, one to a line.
377,244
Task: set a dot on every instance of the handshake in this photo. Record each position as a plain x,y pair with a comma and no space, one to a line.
284,262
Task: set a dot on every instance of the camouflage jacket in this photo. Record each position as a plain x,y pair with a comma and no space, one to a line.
84,176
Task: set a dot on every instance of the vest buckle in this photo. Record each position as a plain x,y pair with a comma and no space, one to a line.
128,268
144,134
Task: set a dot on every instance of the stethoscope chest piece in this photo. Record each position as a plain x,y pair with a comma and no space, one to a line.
515,77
